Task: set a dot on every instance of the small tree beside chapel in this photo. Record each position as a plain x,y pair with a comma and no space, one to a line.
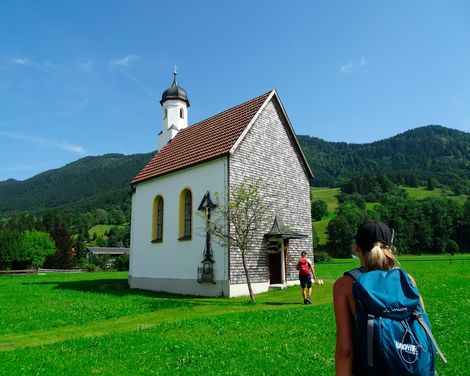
238,220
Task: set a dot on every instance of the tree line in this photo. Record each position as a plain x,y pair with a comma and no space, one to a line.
54,240
430,225
431,155
411,158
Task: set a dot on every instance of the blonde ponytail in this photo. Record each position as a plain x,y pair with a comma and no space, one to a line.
380,257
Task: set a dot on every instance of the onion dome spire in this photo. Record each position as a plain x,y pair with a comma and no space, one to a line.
175,91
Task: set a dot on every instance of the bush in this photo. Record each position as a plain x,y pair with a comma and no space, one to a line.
103,262
318,210
122,262
87,263
321,256
452,247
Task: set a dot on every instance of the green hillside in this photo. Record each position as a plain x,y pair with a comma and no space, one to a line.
84,185
330,196
433,151
102,182
421,193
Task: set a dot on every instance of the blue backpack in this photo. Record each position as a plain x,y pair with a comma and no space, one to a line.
393,332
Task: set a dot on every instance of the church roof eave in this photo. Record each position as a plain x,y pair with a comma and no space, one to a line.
134,182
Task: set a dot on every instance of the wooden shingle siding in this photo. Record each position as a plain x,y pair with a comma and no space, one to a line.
268,152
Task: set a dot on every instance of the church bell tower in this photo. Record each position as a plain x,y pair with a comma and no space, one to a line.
175,106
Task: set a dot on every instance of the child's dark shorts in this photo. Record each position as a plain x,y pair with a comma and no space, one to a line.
305,281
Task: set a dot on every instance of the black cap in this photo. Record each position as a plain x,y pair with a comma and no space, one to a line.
371,232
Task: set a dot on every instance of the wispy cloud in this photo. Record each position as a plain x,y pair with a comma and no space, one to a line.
125,61
21,61
353,66
27,62
147,91
45,142
86,66
74,108
121,65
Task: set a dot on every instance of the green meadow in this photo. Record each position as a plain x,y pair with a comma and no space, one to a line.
420,193
100,230
330,196
92,323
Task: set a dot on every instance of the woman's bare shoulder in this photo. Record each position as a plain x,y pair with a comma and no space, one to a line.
343,284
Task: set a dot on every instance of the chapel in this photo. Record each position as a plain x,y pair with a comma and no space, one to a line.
252,140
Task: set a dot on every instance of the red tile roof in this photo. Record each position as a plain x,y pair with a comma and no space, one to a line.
208,139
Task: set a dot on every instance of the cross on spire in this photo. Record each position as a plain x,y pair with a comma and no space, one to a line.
175,72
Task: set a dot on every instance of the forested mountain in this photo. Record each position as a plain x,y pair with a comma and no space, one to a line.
431,152
84,185
102,182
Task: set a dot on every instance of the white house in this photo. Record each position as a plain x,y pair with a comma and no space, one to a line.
251,140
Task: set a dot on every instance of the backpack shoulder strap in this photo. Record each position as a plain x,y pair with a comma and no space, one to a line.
354,273
420,319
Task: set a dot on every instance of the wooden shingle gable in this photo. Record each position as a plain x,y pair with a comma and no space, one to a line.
273,96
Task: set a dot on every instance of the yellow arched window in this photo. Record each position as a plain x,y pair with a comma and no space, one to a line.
157,222
186,215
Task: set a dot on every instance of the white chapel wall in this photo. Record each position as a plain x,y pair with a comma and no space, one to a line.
173,259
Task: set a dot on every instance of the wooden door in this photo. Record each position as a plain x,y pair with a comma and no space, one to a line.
275,275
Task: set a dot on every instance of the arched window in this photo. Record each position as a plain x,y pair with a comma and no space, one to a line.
181,113
186,215
157,223
188,205
165,113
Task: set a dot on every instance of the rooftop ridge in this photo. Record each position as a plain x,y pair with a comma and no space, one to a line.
231,108
205,140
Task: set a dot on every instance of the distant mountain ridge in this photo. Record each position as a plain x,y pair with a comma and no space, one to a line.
86,184
103,181
432,151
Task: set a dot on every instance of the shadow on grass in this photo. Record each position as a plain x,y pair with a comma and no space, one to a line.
116,287
120,288
282,303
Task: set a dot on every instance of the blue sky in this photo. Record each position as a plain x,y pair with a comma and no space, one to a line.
82,78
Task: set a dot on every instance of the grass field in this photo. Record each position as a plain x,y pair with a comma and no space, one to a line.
91,323
99,230
330,196
421,193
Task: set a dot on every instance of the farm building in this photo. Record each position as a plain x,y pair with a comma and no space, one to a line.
253,140
107,251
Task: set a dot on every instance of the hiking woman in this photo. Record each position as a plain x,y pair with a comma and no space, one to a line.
373,246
